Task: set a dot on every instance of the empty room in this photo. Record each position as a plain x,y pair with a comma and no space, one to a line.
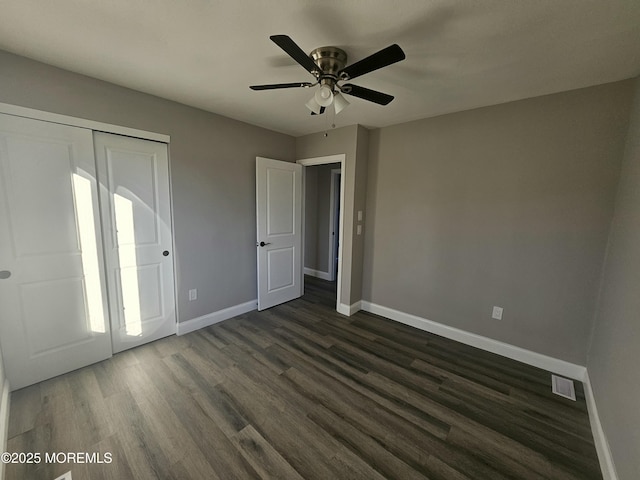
320,240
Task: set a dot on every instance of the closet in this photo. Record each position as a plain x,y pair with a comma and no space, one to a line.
86,249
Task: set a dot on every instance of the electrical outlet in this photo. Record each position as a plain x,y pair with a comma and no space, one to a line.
497,313
193,294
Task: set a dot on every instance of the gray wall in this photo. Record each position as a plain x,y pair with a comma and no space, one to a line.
311,217
317,216
614,356
508,205
212,167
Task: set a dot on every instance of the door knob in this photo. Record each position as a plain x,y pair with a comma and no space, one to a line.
165,253
262,244
4,274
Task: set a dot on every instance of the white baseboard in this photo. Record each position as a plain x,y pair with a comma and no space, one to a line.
4,421
215,317
349,310
317,273
561,367
600,439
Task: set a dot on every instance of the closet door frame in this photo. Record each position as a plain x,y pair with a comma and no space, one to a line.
51,117
19,111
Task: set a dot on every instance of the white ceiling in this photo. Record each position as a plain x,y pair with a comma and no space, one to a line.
461,54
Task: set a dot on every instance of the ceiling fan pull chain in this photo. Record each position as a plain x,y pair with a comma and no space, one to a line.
333,115
326,126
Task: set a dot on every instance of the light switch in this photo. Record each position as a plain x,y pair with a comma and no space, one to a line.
359,230
359,215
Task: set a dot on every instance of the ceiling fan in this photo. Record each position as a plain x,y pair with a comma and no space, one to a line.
327,64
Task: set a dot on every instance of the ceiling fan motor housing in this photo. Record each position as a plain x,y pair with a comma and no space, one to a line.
330,60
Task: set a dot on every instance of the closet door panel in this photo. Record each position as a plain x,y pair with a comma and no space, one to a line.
136,214
53,311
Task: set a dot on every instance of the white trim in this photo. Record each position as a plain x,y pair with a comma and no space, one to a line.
174,257
600,439
309,162
342,159
81,122
567,369
215,317
317,273
349,310
4,421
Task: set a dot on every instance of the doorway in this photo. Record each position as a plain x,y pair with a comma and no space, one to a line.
321,231
323,226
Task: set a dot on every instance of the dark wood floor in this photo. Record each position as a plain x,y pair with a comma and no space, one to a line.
299,391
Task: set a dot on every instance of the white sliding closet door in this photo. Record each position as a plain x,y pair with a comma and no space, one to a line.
136,215
53,312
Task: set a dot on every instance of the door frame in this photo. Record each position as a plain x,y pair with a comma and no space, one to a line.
309,162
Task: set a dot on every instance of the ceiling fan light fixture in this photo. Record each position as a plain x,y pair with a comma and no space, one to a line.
313,105
324,96
339,102
327,65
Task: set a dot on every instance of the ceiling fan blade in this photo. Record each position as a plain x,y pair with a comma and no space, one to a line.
295,52
281,85
366,94
383,58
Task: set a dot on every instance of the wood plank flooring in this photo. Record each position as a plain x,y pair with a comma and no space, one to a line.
300,392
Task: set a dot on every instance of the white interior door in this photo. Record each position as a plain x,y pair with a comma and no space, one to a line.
52,298
136,215
279,230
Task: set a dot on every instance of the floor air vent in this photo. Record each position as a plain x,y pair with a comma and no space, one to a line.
563,387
